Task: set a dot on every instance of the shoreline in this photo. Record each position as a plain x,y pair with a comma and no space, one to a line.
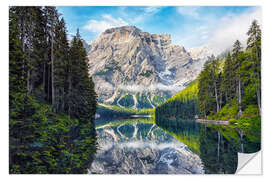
212,121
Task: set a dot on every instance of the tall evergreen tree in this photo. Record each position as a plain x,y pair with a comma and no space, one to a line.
82,90
17,63
228,79
52,19
48,79
61,61
254,47
237,55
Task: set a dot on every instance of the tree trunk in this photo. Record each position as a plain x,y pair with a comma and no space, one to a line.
28,81
216,96
44,77
69,94
239,96
48,83
52,74
220,100
241,141
63,100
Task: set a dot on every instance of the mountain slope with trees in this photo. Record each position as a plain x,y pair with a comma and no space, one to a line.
52,102
227,88
183,105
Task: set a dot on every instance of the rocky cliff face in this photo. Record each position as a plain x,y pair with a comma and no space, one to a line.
86,46
138,69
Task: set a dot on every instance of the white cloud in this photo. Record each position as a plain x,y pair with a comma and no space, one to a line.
149,88
231,28
152,9
145,14
107,22
189,11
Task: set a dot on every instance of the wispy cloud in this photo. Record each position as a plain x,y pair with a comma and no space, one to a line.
144,14
107,21
217,32
231,28
189,11
149,88
152,9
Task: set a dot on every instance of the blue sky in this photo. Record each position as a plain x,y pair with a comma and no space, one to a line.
190,26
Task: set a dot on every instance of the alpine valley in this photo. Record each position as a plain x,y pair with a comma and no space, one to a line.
130,102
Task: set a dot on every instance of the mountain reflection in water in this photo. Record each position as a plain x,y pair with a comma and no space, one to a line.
139,146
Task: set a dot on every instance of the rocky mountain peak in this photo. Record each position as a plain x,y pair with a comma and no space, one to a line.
161,39
200,52
122,29
127,63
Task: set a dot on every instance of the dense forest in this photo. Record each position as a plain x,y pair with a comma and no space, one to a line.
183,105
52,102
232,89
228,88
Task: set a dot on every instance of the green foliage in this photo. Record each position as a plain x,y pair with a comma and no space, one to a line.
127,101
227,94
218,155
116,111
227,89
52,101
143,102
183,105
227,112
157,100
17,63
40,140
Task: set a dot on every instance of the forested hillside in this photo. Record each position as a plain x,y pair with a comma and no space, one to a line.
226,89
183,105
52,101
232,90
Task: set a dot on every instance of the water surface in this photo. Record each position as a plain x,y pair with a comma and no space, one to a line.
139,146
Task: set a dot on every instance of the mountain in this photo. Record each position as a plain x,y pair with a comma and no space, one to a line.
86,46
132,68
200,54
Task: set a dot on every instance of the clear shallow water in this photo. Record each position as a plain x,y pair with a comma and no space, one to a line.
138,146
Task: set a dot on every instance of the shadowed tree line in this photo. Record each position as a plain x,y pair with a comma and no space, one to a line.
52,101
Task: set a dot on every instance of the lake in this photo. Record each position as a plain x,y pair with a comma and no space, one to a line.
140,146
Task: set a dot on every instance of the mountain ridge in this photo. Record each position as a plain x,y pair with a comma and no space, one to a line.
132,68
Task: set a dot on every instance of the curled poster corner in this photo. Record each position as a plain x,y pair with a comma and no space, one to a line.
249,163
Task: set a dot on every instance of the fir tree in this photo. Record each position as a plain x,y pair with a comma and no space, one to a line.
47,79
254,47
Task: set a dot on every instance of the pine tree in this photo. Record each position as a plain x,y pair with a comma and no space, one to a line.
82,90
228,79
237,55
254,47
82,98
52,19
17,62
47,79
61,50
23,117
